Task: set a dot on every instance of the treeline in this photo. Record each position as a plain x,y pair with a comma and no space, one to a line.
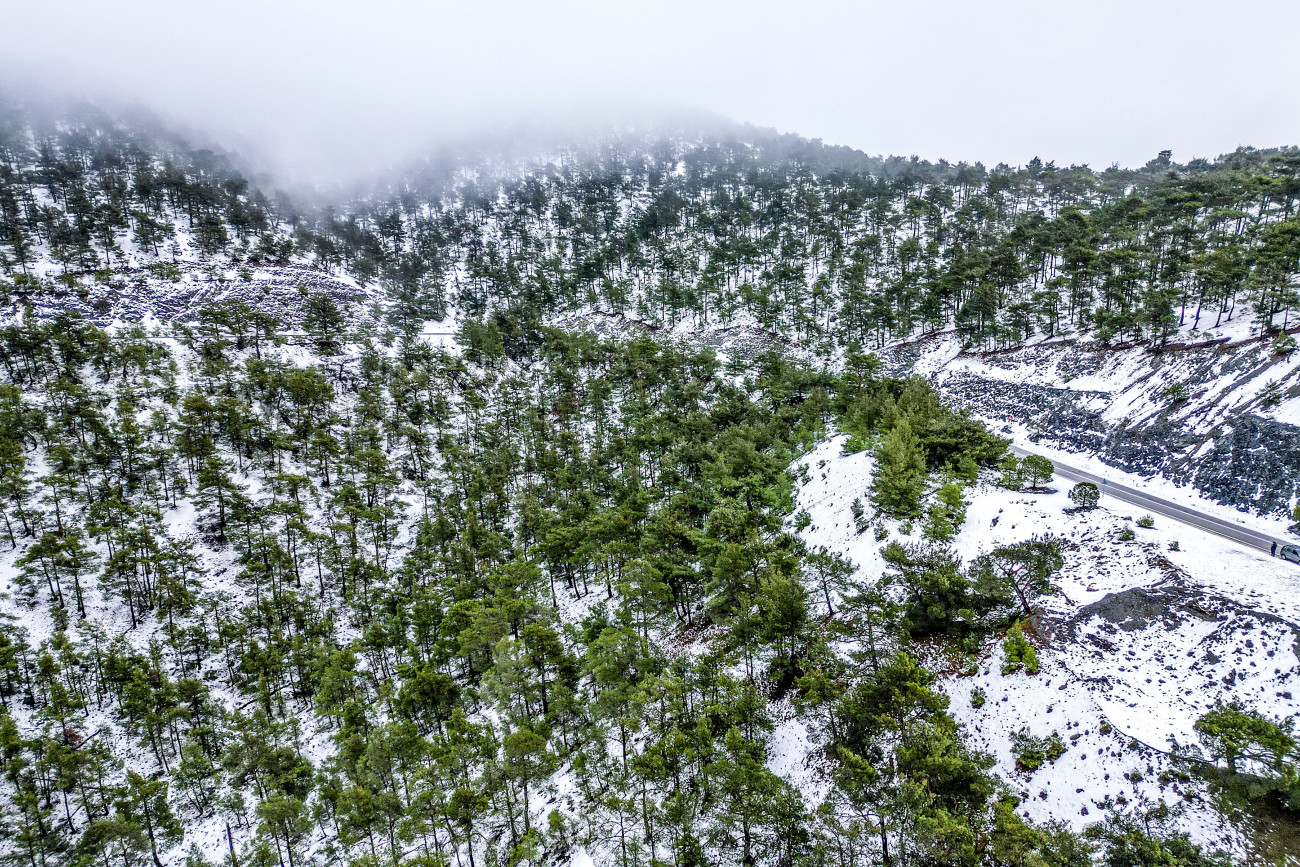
83,189
435,608
824,244
840,249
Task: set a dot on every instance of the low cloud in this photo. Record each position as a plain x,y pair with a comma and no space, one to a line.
327,90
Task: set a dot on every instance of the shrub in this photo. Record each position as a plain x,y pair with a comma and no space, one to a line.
1284,344
853,445
1013,478
1019,652
1031,752
1146,522
977,697
1135,841
1126,534
1037,470
1085,495
1028,751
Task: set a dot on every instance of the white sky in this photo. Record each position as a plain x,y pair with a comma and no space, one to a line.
340,86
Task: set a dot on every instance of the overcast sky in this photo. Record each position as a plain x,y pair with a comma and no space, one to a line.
344,86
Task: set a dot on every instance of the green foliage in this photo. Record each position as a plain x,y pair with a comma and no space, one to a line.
1126,534
1018,573
1146,522
1036,470
1128,841
939,596
1013,473
1085,495
1031,752
1250,743
947,437
946,514
898,483
400,540
482,341
1018,653
323,321
1271,395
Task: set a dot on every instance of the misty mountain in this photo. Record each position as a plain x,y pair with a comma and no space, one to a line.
638,499
824,244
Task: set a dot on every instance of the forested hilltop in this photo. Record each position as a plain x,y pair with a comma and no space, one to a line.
288,578
823,244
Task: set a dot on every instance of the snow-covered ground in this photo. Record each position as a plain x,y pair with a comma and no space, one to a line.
1155,485
1136,643
1213,415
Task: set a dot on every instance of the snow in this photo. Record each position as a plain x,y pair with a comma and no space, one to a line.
790,755
1147,679
1157,486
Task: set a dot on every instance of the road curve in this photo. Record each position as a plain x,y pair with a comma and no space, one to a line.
1155,505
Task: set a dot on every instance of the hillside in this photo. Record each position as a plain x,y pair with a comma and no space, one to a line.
1137,639
1217,416
1134,314
552,509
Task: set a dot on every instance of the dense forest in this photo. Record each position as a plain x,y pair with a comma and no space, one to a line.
359,599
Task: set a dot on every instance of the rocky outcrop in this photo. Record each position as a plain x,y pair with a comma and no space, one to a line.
175,293
1217,437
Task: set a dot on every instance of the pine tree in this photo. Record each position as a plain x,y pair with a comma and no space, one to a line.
899,480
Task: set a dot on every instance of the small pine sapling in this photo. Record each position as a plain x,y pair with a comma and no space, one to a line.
1271,396
1085,495
1037,470
1028,751
859,515
946,515
1175,394
1013,478
1019,653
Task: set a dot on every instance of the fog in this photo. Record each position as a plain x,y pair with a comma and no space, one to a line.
330,90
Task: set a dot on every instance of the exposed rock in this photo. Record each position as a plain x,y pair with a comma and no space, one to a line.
1218,440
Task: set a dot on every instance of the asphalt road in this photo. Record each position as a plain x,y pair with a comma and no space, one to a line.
1156,506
